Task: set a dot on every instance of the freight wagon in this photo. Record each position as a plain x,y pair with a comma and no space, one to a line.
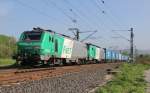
108,55
95,53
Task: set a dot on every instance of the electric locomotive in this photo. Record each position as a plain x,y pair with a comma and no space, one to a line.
41,46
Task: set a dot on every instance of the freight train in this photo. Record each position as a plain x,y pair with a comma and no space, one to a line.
40,46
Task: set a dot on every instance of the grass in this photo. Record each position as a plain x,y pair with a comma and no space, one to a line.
6,62
130,80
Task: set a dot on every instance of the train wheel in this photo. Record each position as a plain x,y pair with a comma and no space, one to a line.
64,61
18,63
26,63
60,62
23,63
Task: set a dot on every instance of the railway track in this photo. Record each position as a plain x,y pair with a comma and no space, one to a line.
17,76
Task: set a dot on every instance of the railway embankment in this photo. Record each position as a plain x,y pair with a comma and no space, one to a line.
81,81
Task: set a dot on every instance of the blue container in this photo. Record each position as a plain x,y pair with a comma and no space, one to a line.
108,54
117,56
113,55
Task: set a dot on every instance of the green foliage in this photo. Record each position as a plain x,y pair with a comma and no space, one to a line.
125,53
6,62
7,46
130,80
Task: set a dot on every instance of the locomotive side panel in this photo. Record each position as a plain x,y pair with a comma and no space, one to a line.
102,54
67,48
98,52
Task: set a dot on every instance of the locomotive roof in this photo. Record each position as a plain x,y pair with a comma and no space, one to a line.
51,31
38,29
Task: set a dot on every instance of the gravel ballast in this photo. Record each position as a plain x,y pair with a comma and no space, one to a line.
78,82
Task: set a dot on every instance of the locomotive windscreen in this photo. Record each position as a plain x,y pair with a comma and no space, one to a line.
30,36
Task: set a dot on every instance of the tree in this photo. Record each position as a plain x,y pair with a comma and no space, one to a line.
7,46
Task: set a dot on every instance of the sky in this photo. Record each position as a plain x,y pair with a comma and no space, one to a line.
17,16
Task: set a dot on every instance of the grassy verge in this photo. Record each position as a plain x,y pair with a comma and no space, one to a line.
6,62
130,80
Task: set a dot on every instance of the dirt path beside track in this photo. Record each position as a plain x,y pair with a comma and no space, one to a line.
147,78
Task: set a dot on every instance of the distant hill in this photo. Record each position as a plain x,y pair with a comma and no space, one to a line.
138,51
143,51
7,46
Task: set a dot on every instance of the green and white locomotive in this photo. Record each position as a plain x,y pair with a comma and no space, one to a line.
41,46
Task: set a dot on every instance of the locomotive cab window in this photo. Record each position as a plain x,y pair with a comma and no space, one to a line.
32,36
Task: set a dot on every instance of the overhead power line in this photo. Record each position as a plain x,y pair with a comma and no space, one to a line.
77,33
101,11
80,14
109,12
99,8
131,44
110,17
85,15
60,9
97,5
120,35
77,13
103,1
93,32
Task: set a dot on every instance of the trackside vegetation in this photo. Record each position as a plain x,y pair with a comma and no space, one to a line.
129,80
7,49
7,46
6,62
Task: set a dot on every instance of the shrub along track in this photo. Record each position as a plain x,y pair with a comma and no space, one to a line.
17,76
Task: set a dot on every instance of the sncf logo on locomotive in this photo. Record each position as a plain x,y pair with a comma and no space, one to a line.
67,50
